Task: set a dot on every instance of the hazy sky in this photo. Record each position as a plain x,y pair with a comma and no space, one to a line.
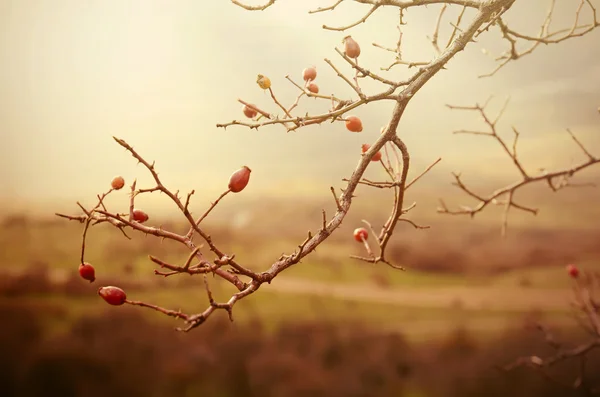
162,74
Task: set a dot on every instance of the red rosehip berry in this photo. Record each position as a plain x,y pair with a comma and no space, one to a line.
140,216
361,234
314,88
354,124
249,112
572,270
112,295
376,156
87,272
239,179
351,47
117,183
309,74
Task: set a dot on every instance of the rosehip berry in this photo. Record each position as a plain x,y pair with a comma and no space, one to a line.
312,87
573,271
263,82
376,156
112,295
354,124
87,272
239,179
361,234
309,74
140,216
117,183
249,112
351,47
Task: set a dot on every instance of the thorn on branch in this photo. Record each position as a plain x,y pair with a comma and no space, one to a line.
337,201
171,313
330,8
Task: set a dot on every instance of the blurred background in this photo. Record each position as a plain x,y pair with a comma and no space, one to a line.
161,75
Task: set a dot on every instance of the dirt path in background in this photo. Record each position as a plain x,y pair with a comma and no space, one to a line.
473,298
486,298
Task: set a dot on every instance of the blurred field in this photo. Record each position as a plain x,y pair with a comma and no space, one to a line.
161,77
473,279
466,303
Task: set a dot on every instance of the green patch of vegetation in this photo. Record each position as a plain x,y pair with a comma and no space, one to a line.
543,277
274,308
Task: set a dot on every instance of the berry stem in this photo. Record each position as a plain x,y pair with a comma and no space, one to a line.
89,220
212,206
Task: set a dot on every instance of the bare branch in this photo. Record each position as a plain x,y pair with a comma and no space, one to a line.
254,8
436,32
254,107
361,20
212,206
409,184
585,286
456,26
545,36
487,14
171,313
583,149
330,8
346,79
509,191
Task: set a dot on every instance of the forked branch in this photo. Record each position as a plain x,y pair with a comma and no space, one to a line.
225,265
555,180
586,309
546,34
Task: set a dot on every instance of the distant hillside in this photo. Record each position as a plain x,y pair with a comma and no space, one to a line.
296,208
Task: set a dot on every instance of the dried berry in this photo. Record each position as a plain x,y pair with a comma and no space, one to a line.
263,82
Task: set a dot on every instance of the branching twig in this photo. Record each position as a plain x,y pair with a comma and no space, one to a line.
225,266
361,20
509,191
254,8
545,36
584,290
